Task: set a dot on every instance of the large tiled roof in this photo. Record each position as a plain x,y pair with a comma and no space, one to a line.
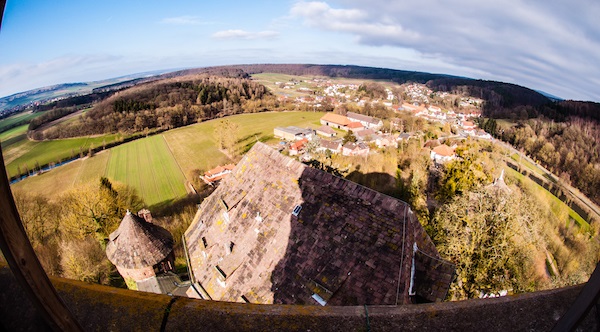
363,118
444,150
336,118
347,244
138,244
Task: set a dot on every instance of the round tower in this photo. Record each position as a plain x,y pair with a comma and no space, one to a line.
140,249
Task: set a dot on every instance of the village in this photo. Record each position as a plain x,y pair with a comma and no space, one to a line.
354,134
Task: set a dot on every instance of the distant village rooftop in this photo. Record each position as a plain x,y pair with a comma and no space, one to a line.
217,173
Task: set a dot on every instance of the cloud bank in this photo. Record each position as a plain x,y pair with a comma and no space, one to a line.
544,45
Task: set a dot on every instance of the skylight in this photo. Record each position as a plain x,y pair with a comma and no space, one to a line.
297,209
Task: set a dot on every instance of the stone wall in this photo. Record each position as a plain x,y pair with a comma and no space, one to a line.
100,308
136,274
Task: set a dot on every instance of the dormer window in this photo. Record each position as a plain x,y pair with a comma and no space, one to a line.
221,272
297,209
229,247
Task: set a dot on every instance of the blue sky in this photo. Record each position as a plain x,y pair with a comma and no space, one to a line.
546,45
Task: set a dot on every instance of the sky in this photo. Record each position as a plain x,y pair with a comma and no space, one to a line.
552,46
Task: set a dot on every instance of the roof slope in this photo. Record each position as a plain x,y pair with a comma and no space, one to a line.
336,118
363,118
444,150
326,129
138,244
347,244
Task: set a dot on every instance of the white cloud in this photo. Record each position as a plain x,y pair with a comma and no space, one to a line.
183,20
549,46
19,77
242,34
357,22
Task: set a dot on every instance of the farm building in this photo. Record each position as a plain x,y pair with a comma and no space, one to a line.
140,250
355,126
366,135
468,125
383,141
297,147
355,149
292,133
404,137
278,231
216,174
367,121
335,121
326,131
332,146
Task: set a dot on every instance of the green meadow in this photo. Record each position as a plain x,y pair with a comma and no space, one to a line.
25,153
194,147
148,166
13,132
155,166
21,117
64,178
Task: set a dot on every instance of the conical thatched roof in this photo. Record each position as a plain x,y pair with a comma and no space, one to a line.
138,244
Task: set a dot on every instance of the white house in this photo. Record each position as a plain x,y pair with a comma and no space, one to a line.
442,153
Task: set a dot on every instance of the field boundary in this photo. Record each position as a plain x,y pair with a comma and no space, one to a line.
177,162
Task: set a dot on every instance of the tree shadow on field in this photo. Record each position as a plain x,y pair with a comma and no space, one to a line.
174,206
251,137
382,182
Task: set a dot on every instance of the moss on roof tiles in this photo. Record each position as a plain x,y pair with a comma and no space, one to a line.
138,243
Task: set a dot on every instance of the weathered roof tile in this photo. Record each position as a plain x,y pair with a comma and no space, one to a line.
349,244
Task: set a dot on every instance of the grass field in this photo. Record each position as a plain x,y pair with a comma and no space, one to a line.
63,178
525,163
194,146
561,210
505,123
14,132
26,152
269,79
148,166
25,116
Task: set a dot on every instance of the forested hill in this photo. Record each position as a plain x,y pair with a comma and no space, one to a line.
500,98
562,110
166,104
